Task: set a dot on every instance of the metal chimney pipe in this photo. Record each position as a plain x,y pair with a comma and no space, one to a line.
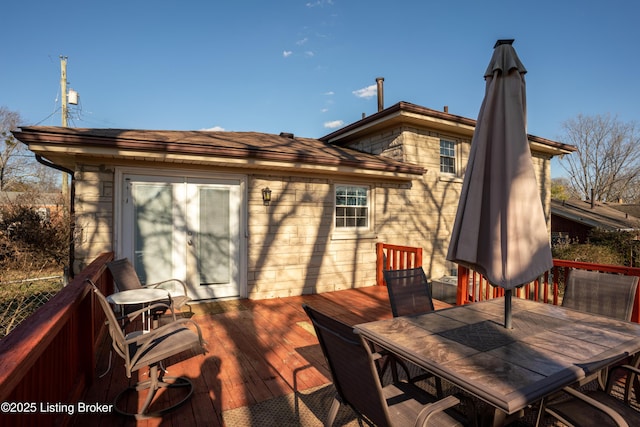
379,81
593,202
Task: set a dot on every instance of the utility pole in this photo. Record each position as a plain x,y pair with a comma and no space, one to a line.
65,115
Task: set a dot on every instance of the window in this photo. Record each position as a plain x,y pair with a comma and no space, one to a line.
352,207
447,156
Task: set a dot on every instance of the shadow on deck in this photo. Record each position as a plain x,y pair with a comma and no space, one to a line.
257,351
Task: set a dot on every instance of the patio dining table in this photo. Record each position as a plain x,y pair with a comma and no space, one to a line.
548,348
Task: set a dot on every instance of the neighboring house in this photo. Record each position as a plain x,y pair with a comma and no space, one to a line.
572,220
632,209
48,205
189,204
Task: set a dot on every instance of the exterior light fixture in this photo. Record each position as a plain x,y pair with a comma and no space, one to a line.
266,196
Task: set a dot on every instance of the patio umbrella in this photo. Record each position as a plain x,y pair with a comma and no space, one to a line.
500,229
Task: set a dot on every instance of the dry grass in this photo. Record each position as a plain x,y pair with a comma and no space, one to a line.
23,292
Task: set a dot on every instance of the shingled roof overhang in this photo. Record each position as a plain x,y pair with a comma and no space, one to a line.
599,216
405,113
64,146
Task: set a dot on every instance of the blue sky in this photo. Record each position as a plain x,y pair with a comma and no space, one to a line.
306,66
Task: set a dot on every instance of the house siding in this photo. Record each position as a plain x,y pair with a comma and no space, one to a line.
291,246
94,217
292,249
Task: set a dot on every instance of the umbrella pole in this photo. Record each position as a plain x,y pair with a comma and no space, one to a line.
507,308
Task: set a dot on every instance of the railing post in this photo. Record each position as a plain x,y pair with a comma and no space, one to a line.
463,285
635,315
86,339
395,257
379,263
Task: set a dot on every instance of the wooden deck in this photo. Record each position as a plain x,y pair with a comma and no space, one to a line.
257,350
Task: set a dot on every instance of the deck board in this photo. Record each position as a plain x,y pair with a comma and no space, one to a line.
257,350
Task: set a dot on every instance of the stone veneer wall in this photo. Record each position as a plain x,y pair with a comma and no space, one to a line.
423,214
94,219
292,248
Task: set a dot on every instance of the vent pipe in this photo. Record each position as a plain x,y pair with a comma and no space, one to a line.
446,108
379,81
593,202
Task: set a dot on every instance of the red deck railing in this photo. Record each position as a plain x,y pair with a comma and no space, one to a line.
472,286
395,257
50,357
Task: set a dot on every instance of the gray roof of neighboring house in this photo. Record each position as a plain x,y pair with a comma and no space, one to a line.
630,208
599,216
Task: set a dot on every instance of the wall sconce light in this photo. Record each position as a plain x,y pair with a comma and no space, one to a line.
266,196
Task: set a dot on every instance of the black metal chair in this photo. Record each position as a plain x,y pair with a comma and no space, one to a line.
409,291
410,294
596,407
150,349
356,379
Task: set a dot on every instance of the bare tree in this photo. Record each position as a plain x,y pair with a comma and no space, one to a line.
9,120
608,159
18,169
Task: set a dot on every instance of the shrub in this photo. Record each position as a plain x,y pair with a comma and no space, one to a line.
29,239
603,247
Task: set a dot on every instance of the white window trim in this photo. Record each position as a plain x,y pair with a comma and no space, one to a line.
342,233
456,157
458,176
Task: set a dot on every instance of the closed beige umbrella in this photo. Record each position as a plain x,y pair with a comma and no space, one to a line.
500,229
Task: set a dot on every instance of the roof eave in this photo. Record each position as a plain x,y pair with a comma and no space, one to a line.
404,112
64,150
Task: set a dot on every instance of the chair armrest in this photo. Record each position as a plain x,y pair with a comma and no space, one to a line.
629,368
633,373
170,285
617,418
145,340
433,408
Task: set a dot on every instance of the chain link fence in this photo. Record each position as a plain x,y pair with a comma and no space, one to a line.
21,298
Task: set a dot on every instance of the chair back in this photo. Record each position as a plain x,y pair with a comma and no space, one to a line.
354,373
409,291
116,333
606,294
124,275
